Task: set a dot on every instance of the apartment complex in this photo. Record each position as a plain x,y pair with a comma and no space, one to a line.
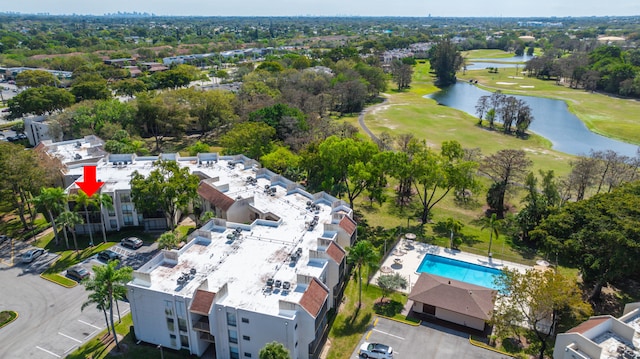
603,337
268,268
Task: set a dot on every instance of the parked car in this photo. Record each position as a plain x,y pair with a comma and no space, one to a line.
30,255
107,256
131,242
78,273
375,350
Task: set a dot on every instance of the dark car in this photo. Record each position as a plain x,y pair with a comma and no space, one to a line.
131,242
107,256
78,273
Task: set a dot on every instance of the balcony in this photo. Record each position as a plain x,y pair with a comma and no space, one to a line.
202,325
207,337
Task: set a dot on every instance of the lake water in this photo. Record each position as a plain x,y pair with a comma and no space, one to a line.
508,62
552,120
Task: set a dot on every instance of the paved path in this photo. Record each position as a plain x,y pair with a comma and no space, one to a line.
365,112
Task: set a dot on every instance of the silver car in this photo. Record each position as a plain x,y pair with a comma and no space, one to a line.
375,350
30,255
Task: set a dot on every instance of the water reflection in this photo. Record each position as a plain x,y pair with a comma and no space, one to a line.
552,120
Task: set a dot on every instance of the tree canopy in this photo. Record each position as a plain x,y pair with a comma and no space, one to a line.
168,188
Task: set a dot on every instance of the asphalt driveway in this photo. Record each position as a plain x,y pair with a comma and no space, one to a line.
426,341
50,324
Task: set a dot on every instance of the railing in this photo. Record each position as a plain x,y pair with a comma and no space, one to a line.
202,325
207,337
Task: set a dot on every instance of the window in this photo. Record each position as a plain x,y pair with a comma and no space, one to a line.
245,320
182,324
233,353
113,223
125,197
246,337
171,324
233,336
168,308
248,355
231,319
127,219
184,341
173,340
127,208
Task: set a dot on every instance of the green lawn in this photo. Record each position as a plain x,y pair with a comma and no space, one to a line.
486,54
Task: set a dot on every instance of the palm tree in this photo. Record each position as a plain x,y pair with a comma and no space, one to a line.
493,223
69,220
51,200
104,200
167,240
83,201
99,298
362,254
108,285
453,226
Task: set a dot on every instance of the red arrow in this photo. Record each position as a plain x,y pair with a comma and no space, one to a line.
89,186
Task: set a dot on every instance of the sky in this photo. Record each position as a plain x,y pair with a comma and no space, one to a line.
420,8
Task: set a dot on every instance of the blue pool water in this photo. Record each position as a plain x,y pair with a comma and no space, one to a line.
462,271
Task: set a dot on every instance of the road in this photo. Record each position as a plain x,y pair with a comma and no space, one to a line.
50,324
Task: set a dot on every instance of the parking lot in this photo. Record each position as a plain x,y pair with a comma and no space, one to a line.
50,323
426,341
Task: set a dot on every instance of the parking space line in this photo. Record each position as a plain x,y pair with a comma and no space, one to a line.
89,324
389,334
69,350
46,351
91,334
70,337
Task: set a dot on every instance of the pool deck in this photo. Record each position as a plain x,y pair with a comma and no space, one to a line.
406,256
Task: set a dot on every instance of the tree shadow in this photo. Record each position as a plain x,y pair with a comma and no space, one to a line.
387,307
353,324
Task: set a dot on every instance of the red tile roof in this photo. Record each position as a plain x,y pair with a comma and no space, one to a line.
314,297
348,224
215,197
592,322
460,297
202,302
335,252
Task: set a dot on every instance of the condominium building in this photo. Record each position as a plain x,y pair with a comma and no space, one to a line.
268,268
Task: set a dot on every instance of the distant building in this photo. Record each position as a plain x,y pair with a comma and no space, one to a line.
10,73
38,129
602,336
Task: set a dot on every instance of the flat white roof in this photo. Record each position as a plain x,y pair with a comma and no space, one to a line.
262,251
75,150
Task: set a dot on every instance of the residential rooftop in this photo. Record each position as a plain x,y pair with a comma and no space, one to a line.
284,247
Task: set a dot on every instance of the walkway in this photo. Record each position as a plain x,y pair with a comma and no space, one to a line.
365,112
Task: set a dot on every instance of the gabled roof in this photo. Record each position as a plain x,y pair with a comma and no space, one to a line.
314,297
215,197
460,297
335,252
348,224
202,302
591,323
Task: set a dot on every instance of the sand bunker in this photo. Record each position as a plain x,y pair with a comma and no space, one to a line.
505,83
527,86
515,77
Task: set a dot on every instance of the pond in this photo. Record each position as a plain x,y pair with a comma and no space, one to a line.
552,120
473,65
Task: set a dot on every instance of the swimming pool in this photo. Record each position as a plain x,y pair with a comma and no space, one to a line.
458,270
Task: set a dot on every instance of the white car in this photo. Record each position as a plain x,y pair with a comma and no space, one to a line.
375,350
30,255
